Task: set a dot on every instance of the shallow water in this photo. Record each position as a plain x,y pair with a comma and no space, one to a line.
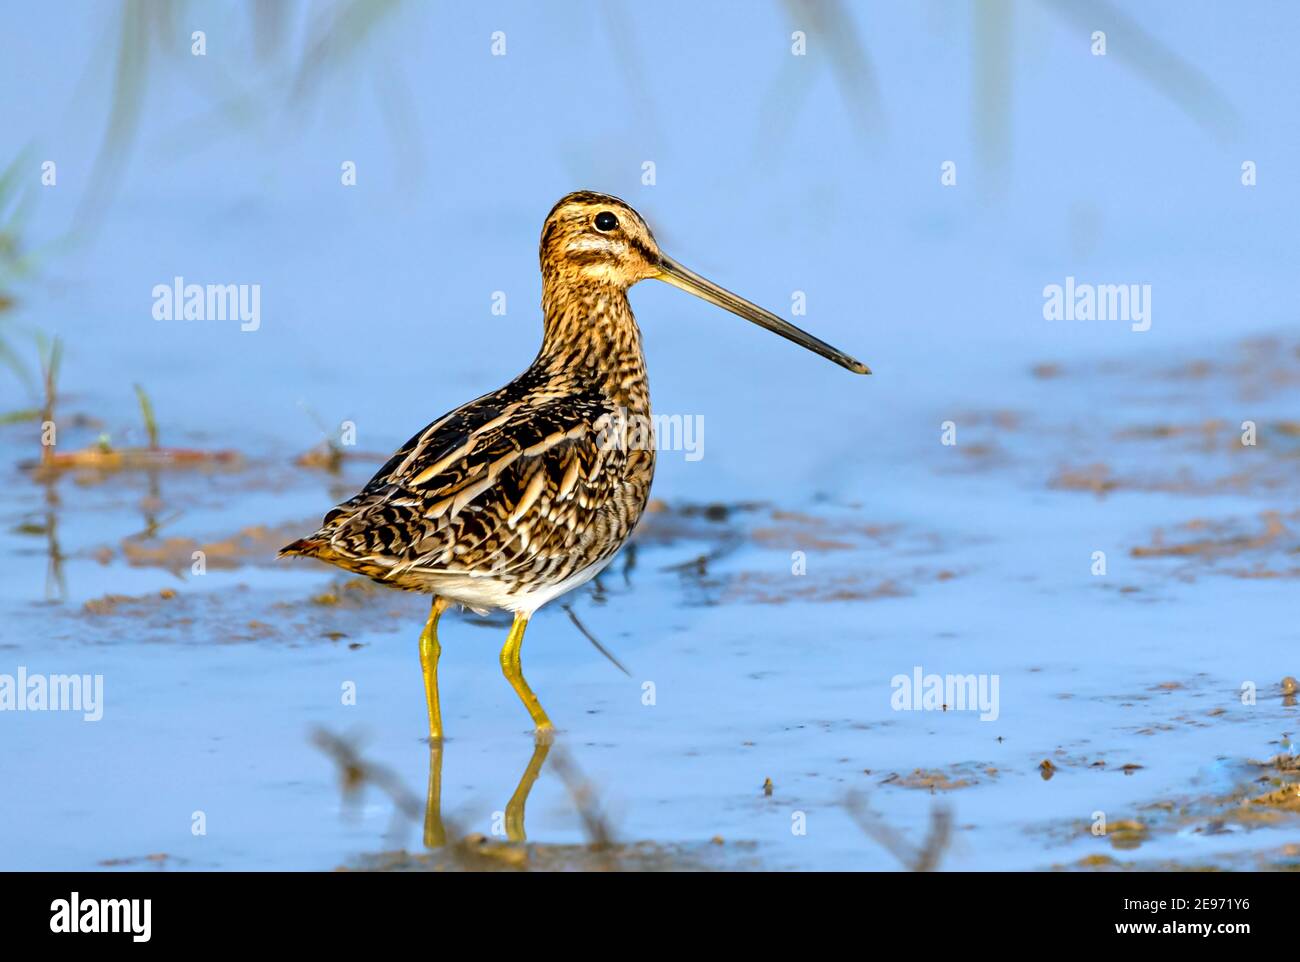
757,674
969,559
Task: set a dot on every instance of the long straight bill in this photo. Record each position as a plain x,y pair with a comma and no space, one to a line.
691,282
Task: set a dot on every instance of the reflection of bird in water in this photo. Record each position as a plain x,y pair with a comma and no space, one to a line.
357,773
435,832
528,492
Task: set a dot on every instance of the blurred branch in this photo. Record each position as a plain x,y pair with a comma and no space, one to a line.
926,858
1172,75
991,89
622,32
51,357
595,823
355,773
573,616
832,24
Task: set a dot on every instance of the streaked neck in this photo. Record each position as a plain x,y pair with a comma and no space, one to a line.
590,335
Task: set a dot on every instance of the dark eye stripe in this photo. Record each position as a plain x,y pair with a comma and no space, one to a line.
641,249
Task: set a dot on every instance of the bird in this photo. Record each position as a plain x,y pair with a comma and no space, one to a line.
526,493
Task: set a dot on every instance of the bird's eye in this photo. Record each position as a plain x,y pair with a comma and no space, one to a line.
605,221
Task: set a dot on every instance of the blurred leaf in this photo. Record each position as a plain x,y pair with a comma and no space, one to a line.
129,82
336,37
21,416
51,358
150,422
10,359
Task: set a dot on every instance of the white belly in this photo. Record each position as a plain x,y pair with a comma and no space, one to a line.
485,593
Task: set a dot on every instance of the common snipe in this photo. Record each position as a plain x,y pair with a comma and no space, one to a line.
528,492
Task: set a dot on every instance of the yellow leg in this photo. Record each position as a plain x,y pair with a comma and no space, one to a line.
435,833
515,675
429,652
515,807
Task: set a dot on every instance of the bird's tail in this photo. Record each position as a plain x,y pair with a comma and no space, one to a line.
306,547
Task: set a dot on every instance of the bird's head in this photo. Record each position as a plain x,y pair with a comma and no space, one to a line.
596,239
